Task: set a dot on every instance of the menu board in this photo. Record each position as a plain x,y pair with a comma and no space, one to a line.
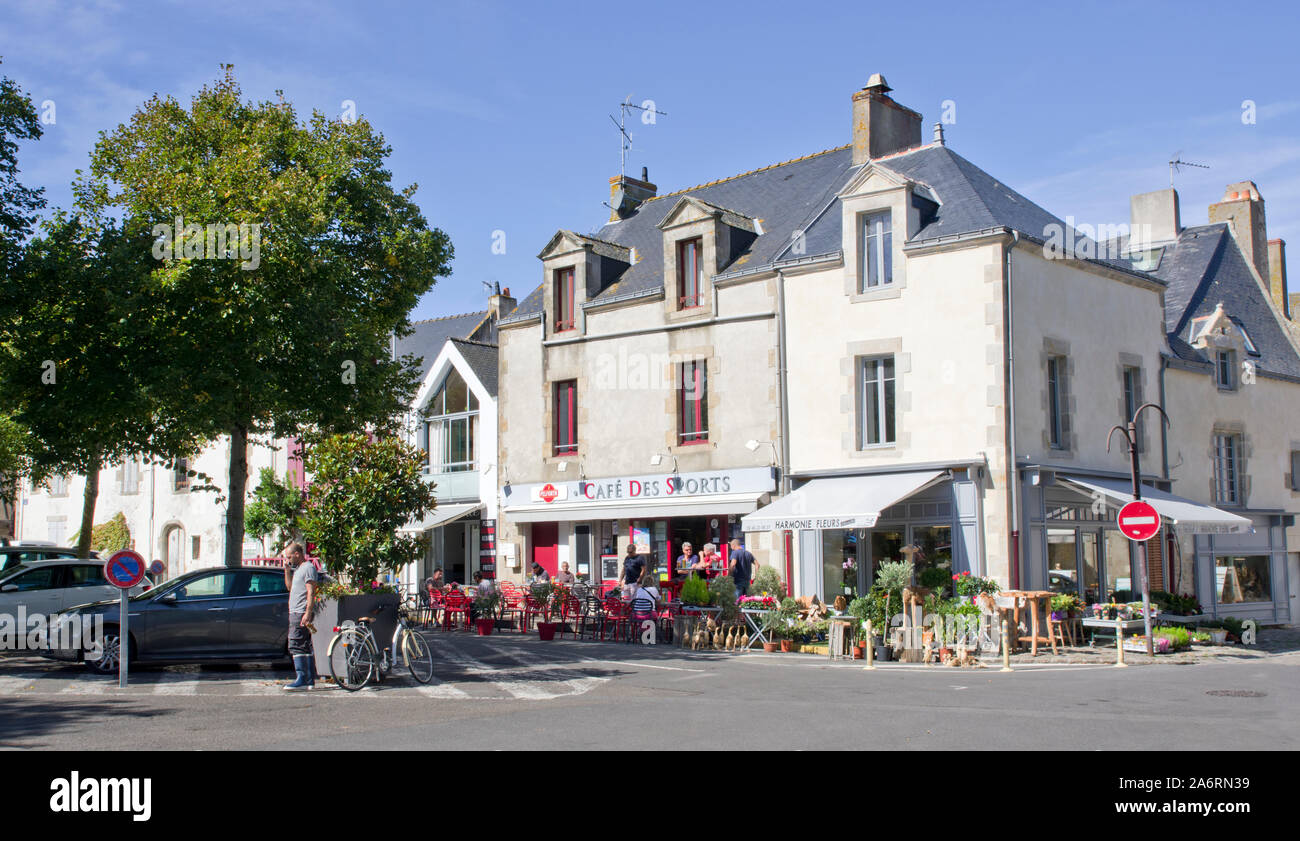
609,567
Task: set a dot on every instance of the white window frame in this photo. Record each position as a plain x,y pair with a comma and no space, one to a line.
875,237
877,386
1227,468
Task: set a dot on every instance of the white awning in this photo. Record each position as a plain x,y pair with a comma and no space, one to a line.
850,502
1189,516
697,506
442,515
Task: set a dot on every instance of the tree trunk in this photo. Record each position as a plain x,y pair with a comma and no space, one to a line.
236,488
88,514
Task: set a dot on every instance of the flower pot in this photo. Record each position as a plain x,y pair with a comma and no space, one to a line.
1218,636
882,653
787,645
485,626
770,647
859,652
546,630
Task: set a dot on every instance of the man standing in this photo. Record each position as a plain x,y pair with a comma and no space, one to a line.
742,567
301,578
632,568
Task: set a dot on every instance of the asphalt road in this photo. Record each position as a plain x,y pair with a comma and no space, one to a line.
506,692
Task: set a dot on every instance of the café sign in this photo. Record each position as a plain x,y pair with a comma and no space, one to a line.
671,486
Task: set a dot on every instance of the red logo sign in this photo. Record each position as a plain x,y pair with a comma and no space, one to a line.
1139,521
548,493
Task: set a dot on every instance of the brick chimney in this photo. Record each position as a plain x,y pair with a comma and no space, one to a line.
1153,218
880,125
1243,209
1277,276
626,194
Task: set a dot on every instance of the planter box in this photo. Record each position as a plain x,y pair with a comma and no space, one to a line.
334,612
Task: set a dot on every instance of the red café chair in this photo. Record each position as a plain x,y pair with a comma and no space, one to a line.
455,605
571,616
513,605
616,614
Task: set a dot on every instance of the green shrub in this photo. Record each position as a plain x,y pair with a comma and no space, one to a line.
722,593
107,538
1179,638
938,579
767,581
695,591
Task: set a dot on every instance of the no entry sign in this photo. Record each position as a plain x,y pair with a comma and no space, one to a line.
124,569
1139,521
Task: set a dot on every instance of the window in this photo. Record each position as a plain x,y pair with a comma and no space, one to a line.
692,403
196,543
1056,396
1227,469
876,401
452,428
41,578
689,273
566,418
877,262
1133,399
266,584
1241,578
58,485
1224,370
563,300
86,575
180,474
215,586
55,529
1295,470
129,477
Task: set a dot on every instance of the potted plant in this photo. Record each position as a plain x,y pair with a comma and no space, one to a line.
1063,606
776,630
550,597
485,611
364,491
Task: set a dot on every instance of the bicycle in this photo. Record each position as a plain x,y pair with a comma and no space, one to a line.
355,658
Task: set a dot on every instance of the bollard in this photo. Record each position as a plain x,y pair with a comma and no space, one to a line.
1006,648
1119,645
871,651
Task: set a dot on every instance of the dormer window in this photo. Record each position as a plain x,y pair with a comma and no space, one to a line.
689,273
877,264
563,300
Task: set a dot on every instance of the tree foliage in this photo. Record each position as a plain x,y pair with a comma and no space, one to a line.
110,536
18,204
363,491
274,511
299,337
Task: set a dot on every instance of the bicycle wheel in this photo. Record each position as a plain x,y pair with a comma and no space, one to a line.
353,660
419,657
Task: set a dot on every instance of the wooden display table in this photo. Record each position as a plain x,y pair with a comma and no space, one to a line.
1033,599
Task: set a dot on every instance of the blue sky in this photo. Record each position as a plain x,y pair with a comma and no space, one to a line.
499,111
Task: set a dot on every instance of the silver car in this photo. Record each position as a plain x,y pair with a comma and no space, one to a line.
48,587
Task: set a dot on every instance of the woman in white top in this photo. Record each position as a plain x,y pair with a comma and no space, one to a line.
646,589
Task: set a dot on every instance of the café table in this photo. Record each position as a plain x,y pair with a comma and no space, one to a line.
1034,599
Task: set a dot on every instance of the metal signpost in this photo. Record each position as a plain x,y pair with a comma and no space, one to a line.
124,570
1136,518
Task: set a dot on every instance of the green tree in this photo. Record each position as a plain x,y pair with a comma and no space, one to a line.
107,538
19,205
274,510
84,366
362,492
295,333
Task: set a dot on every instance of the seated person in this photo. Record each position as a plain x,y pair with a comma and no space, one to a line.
564,576
687,561
710,561
540,575
646,589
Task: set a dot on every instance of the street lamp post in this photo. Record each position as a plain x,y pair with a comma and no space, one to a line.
1135,467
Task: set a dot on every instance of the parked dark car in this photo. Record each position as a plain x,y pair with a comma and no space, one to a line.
222,614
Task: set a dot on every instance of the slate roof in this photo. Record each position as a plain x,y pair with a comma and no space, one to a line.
482,359
802,195
431,334
1205,267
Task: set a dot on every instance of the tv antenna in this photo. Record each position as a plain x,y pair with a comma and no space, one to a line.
625,139
1179,162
